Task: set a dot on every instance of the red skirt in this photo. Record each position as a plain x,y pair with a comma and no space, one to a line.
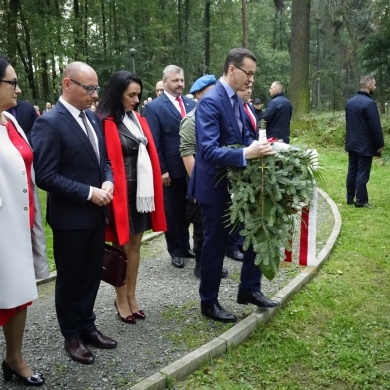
7,314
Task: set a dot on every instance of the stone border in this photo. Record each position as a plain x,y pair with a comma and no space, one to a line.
241,331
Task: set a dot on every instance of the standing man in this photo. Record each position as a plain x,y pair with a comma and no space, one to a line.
164,115
220,123
250,117
71,165
48,108
364,139
278,114
258,106
25,114
187,152
159,88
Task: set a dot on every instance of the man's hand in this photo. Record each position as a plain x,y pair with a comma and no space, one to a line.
258,149
100,196
108,186
166,180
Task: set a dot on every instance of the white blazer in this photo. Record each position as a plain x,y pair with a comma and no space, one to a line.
22,250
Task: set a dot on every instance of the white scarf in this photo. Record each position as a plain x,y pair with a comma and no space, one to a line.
145,190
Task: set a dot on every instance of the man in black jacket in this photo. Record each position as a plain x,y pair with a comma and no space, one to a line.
364,139
278,114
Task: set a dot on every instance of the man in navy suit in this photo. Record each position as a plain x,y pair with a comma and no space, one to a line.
220,123
25,114
164,115
71,165
364,139
250,117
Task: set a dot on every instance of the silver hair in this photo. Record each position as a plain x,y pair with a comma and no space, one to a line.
171,69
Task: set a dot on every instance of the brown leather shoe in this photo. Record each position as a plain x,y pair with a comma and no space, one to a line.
78,351
98,340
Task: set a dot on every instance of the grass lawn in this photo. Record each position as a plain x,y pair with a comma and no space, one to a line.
335,333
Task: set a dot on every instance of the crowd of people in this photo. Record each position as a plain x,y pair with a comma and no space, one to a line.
111,174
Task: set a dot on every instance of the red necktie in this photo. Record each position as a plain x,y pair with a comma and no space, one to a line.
253,122
182,109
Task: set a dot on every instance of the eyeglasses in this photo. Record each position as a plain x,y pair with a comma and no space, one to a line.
248,74
90,89
14,83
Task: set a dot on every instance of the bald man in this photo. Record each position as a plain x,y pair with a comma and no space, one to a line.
159,88
71,165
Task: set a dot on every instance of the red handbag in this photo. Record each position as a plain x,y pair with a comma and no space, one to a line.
114,266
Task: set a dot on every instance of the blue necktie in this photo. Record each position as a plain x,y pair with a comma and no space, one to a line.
237,111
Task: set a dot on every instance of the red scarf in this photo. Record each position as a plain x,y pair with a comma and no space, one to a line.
118,230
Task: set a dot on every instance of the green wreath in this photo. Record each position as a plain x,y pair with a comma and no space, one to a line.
267,196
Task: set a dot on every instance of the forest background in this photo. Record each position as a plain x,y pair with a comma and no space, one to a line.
318,49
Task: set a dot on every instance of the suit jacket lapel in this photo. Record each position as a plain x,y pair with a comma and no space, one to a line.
170,106
79,132
230,111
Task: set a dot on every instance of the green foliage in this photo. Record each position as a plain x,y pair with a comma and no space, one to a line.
267,197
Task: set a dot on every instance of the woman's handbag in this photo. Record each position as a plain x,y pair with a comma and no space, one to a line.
114,266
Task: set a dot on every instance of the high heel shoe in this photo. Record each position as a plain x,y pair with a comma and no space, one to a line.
140,314
129,319
36,379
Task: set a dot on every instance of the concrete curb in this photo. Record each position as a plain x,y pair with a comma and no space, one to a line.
241,331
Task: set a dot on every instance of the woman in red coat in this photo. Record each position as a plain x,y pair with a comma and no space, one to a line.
137,205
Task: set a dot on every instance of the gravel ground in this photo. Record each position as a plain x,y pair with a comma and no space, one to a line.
173,327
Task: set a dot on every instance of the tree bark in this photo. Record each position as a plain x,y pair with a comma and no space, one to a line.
244,24
12,18
207,36
300,37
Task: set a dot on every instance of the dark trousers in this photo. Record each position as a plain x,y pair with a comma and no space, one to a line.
194,216
177,235
359,168
215,241
78,256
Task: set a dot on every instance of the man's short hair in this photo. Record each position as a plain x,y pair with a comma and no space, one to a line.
236,57
170,69
366,81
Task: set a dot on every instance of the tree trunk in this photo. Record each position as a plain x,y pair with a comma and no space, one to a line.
27,62
207,36
103,27
12,29
244,24
300,37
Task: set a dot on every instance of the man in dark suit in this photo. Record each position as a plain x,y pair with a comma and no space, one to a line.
364,139
71,165
164,115
278,114
220,123
250,117
25,114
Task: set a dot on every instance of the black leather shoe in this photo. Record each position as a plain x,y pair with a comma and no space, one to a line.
98,340
189,254
36,379
217,313
78,351
177,262
256,298
236,255
224,274
367,205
